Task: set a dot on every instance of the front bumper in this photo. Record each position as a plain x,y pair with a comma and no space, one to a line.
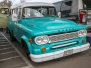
58,54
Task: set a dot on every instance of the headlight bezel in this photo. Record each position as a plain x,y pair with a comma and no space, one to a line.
82,33
42,40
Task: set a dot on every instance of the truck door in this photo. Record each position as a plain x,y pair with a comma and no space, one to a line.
15,24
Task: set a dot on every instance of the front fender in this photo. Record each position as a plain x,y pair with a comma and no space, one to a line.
25,39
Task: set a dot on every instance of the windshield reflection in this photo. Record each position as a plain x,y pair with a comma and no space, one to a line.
38,12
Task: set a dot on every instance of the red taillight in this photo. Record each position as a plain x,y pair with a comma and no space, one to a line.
83,16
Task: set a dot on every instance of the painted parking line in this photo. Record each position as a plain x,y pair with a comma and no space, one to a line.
4,45
3,42
26,61
7,52
27,67
9,58
6,48
16,65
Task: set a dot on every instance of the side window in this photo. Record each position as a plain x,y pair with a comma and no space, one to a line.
26,12
19,12
4,11
13,11
10,13
51,11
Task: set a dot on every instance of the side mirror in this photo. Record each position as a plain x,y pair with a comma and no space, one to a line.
59,14
14,17
85,7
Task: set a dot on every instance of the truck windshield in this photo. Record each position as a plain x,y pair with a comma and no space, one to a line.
66,8
4,10
87,4
29,12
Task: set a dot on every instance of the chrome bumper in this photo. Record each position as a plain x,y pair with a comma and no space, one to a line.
58,54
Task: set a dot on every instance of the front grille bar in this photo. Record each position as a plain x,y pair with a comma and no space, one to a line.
62,37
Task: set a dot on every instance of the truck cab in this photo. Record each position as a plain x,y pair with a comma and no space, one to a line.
43,34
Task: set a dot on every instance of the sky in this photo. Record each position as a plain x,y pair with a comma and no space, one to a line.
48,1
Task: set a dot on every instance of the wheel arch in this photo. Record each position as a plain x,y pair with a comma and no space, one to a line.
24,40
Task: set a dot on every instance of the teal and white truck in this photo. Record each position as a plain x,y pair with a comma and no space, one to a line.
43,34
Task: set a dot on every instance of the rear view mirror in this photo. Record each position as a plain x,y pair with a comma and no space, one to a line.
85,7
14,17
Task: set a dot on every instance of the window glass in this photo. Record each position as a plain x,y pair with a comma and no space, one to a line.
4,10
38,11
87,4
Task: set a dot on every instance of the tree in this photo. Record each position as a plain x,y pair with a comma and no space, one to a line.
9,4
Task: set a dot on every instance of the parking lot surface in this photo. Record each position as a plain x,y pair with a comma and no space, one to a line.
80,60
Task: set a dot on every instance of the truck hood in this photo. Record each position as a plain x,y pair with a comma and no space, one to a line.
50,25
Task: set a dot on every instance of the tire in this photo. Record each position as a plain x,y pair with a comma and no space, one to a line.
13,39
26,51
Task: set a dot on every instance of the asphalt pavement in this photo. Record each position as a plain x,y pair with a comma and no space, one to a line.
80,60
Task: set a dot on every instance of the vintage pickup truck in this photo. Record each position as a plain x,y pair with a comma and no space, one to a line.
43,34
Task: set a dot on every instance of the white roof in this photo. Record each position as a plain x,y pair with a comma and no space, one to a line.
26,4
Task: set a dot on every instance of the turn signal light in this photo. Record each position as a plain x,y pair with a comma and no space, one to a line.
83,41
30,40
43,49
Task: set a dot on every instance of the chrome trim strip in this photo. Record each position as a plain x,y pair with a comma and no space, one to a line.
64,45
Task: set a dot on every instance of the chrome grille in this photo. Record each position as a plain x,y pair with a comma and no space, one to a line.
62,37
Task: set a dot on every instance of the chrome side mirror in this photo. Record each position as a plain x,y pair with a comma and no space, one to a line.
14,17
59,14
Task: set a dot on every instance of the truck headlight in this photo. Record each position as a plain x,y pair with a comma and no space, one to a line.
82,33
41,40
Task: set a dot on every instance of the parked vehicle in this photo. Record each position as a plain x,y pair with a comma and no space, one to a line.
75,10
43,34
4,16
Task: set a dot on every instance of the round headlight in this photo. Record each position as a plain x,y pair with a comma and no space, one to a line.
41,40
82,33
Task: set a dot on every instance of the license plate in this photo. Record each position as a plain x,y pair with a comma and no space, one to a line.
68,52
